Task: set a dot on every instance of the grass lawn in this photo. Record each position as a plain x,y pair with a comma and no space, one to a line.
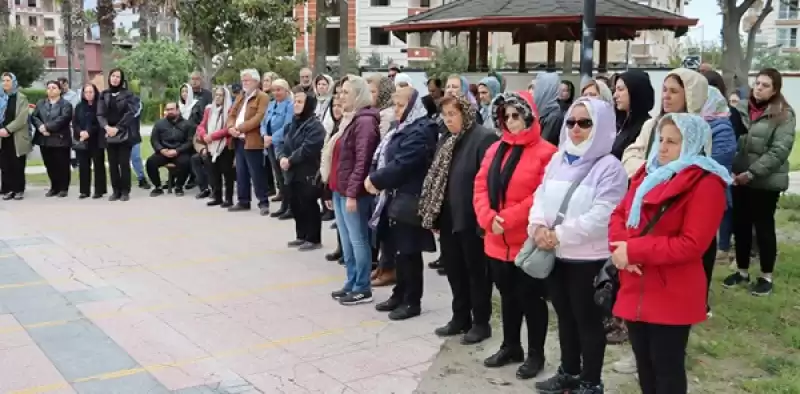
794,157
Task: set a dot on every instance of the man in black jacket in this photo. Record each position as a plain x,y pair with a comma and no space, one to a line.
172,143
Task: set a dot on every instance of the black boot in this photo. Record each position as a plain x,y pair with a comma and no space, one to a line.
327,215
452,328
335,255
286,215
143,184
532,366
477,334
505,356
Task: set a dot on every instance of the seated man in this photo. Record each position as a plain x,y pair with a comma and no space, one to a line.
172,144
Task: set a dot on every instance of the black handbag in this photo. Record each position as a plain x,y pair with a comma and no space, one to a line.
119,138
404,208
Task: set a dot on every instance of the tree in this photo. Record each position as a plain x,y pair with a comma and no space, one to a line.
77,19
262,60
374,60
736,59
19,55
105,19
158,64
5,16
90,20
446,61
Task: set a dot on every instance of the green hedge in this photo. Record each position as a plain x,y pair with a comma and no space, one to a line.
151,109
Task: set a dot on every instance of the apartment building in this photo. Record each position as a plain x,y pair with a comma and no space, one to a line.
306,15
40,18
780,27
127,25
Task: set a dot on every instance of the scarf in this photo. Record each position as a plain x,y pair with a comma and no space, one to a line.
716,105
435,184
499,176
327,149
696,132
219,116
4,96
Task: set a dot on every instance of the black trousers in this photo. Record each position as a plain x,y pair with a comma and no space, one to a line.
521,296
157,160
88,160
12,168
581,335
755,208
198,164
709,260
221,173
660,353
274,173
468,274
57,163
119,167
307,217
409,269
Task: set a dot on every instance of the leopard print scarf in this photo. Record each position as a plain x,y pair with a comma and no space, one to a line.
435,184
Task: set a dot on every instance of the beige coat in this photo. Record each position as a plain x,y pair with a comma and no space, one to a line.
19,127
696,87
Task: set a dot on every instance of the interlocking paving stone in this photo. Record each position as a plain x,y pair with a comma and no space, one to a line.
95,294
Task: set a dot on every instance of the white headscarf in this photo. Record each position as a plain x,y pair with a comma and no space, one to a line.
186,108
217,118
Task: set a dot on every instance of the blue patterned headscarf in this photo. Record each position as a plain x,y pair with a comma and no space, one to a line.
695,132
4,95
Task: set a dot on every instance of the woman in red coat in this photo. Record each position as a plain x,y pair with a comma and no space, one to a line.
511,171
662,282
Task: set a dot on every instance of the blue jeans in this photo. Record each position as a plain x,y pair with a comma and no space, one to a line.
136,161
250,171
726,231
354,233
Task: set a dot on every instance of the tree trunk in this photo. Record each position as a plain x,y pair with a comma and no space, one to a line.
5,16
78,30
736,60
105,19
144,20
569,48
344,28
320,37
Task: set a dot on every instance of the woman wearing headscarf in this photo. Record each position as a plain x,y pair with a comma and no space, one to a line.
382,89
546,93
278,115
51,121
634,99
323,89
598,89
715,79
458,85
403,80
300,157
188,105
214,134
659,233
580,242
116,115
762,173
400,164
446,204
15,138
351,158
488,89
510,172
566,94
90,145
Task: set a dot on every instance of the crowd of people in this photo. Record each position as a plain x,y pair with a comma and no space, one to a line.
577,197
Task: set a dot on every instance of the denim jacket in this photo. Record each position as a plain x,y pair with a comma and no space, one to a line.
278,115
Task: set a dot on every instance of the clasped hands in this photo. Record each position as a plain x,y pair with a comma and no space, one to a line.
545,238
44,131
111,131
620,258
168,152
371,189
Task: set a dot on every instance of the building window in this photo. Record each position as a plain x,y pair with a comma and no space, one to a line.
378,36
332,41
49,41
17,2
333,8
51,63
49,24
380,3
787,9
18,20
32,21
32,3
425,3
134,25
787,38
426,39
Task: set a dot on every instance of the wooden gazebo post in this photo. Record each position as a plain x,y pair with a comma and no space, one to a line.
551,53
602,61
472,44
523,54
483,50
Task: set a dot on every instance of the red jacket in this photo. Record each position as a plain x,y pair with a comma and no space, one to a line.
672,288
202,128
519,196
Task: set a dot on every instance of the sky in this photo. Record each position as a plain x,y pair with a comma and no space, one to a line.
708,28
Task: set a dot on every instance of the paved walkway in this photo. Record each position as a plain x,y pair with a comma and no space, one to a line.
161,295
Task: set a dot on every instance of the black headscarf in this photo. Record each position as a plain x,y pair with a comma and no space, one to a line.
86,110
92,104
308,109
564,104
123,83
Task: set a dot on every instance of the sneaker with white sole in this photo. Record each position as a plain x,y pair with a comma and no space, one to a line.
356,297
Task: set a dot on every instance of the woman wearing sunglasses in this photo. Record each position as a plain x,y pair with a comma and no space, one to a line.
511,171
580,241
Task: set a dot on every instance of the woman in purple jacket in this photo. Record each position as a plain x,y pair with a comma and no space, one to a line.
350,163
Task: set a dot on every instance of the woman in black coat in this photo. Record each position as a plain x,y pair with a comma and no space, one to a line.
116,113
300,158
51,120
90,144
401,162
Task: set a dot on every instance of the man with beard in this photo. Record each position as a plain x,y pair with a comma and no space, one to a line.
172,144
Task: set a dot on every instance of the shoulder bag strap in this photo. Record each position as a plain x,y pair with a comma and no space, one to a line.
661,211
562,210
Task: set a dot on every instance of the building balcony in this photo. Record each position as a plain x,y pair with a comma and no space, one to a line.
419,53
416,10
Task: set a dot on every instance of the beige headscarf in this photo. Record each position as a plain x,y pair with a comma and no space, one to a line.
363,99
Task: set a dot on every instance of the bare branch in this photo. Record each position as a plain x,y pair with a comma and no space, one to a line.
741,8
751,35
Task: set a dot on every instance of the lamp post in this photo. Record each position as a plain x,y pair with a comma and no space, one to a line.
69,38
587,39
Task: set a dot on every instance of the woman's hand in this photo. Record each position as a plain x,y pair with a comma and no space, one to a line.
350,205
540,237
208,139
370,187
111,131
741,179
551,240
4,133
497,225
284,162
267,141
329,204
620,255
84,135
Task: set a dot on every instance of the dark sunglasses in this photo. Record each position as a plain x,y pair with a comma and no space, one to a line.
513,115
582,123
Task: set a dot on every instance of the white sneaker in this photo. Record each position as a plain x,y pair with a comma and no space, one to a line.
626,365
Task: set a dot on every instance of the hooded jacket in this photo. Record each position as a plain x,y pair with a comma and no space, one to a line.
493,85
353,152
525,178
583,233
641,98
696,88
545,96
302,144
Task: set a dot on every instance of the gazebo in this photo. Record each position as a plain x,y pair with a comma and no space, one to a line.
539,21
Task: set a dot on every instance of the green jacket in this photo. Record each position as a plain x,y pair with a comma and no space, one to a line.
19,127
764,150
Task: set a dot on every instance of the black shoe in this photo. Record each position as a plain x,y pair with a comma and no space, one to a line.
286,215
213,203
125,197
270,193
505,356
452,329
308,246
114,196
190,185
589,388
239,208
735,279
226,204
477,334
340,261
82,196
279,212
388,305
762,287
143,184
335,255
532,367
156,192
50,193
328,216
19,196
559,383
295,243
338,294
356,297
334,226
404,312
8,196
98,195
203,194
62,194
436,264
178,192
277,198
